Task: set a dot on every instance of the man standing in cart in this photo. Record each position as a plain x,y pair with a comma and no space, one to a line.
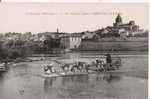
108,61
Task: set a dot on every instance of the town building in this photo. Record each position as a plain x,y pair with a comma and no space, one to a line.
70,41
130,28
88,35
120,28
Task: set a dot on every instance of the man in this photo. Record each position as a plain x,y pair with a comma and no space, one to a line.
108,61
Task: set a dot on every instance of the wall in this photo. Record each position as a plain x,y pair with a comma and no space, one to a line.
118,45
75,42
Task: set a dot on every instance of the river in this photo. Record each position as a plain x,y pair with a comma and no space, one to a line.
24,80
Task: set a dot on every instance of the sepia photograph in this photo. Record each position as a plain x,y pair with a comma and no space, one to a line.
74,50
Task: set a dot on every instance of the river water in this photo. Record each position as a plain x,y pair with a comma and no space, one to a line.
24,80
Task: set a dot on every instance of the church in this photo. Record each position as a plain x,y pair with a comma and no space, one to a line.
123,29
129,28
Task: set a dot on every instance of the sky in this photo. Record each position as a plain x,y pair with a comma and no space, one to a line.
74,0
68,17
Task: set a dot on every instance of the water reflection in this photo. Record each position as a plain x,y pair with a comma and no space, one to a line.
108,77
22,81
50,83
1,78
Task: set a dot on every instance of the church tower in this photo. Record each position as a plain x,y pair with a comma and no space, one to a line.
57,30
118,20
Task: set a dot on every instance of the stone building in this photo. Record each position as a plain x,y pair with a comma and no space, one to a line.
70,41
129,28
88,35
121,28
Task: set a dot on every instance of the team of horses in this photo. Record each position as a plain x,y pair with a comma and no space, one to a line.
97,65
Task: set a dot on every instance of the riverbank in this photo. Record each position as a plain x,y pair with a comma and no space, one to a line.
116,46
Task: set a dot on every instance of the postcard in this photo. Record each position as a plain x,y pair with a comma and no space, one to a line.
74,50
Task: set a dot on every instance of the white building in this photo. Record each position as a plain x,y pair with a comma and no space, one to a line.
71,41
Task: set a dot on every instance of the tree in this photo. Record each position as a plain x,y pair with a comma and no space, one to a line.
51,43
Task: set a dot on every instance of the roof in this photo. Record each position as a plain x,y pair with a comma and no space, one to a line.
72,35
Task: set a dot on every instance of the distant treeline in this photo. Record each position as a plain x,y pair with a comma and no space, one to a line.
19,48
